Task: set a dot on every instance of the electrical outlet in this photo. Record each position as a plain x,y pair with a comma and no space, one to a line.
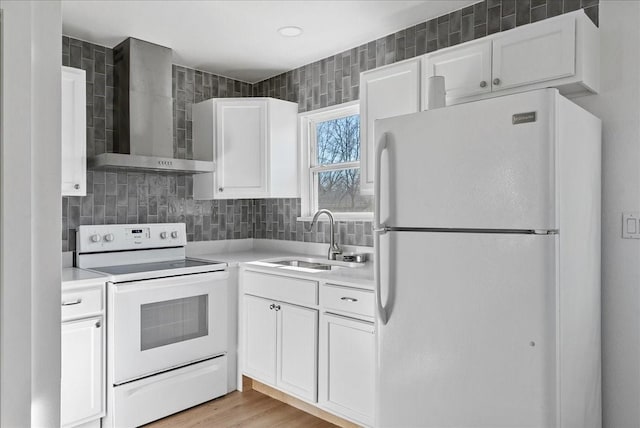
631,225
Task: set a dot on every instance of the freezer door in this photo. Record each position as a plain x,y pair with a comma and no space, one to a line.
482,165
470,339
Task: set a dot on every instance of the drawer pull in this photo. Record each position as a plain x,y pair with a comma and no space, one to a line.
72,302
349,299
98,324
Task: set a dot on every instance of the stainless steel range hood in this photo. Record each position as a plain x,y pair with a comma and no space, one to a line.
144,112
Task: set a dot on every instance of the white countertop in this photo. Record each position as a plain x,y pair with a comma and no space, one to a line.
75,277
243,252
361,277
236,257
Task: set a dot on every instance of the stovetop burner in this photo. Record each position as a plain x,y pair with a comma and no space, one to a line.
156,266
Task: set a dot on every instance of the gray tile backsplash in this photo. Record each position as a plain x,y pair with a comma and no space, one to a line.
134,197
276,219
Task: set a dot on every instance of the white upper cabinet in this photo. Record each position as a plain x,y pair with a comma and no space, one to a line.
561,52
240,143
74,132
467,70
535,53
384,92
253,142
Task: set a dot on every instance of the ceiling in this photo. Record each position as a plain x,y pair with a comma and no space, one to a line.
239,39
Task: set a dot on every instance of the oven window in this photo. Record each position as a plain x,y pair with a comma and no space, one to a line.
173,321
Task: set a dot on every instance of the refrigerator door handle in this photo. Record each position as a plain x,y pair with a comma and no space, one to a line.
380,148
378,228
380,309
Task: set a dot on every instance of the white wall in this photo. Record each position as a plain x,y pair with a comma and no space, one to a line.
15,268
30,214
618,105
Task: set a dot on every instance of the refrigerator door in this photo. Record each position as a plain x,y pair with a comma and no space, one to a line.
470,338
483,165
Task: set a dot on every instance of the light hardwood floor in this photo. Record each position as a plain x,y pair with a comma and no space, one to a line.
250,409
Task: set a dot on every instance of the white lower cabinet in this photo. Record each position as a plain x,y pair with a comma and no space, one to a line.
82,343
82,386
328,361
347,369
260,346
298,350
280,345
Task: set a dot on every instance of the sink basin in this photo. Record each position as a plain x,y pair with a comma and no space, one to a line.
304,264
313,263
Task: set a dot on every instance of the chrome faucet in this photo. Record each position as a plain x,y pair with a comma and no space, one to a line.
334,249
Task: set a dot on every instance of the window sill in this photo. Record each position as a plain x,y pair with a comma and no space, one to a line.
341,217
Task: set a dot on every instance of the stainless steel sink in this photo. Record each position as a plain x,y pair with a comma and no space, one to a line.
305,264
313,263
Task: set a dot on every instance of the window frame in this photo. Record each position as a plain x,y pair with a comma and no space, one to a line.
308,162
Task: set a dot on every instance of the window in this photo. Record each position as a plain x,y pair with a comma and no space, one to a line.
331,138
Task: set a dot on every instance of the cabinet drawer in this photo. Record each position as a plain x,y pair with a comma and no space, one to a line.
282,288
76,304
347,299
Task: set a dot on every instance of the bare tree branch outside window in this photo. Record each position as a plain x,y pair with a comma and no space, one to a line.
338,141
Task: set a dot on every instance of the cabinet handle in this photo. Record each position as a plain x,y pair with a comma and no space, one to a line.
496,81
72,302
349,299
221,189
98,324
76,186
277,307
271,306
483,84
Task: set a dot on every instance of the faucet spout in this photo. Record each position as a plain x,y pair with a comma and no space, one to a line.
334,248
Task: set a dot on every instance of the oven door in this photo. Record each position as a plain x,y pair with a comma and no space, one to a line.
159,324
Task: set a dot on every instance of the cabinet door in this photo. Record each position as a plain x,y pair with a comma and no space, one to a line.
534,53
466,70
260,339
347,362
298,350
82,387
240,149
74,132
385,92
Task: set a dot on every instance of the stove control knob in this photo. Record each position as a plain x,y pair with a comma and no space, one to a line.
174,234
108,237
95,238
163,235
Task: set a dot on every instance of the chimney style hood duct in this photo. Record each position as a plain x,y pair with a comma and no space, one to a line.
144,112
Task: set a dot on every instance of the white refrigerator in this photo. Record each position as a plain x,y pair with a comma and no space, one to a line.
487,247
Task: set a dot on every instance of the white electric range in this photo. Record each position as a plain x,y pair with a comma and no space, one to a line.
166,320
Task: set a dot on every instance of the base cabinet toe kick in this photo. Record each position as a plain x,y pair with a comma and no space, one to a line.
316,343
